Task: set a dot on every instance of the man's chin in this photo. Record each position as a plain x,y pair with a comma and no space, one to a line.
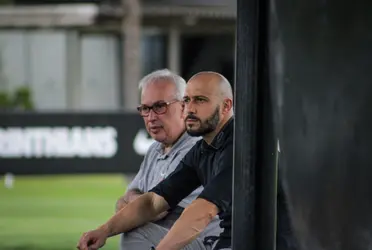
159,138
195,133
157,135
155,131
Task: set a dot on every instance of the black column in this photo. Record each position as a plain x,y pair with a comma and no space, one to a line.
254,186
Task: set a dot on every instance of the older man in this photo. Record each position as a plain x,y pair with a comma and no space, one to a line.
162,110
208,105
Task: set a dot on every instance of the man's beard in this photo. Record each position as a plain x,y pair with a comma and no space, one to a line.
206,127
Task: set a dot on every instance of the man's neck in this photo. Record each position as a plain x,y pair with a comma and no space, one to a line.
209,137
168,146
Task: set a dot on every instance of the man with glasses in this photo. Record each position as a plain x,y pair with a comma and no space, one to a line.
162,110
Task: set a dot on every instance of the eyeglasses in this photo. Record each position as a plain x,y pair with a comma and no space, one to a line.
159,108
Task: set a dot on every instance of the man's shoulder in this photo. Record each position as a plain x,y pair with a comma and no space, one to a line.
188,142
153,150
192,140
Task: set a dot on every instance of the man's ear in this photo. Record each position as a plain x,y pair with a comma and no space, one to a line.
227,105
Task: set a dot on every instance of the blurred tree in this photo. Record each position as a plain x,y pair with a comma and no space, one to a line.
3,2
22,99
5,102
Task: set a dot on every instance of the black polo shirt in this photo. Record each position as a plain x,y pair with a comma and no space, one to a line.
210,166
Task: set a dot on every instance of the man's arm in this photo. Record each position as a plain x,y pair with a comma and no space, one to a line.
129,196
194,219
136,187
140,211
136,213
216,197
165,195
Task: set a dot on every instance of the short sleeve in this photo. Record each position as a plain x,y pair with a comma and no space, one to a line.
219,189
139,180
181,182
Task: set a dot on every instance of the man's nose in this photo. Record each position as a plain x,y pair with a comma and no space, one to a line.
190,108
152,115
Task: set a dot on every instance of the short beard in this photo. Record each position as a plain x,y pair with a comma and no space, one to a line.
207,126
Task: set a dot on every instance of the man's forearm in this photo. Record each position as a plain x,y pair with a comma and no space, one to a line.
192,222
132,194
135,214
129,196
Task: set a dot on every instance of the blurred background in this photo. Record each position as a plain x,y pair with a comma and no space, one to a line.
70,139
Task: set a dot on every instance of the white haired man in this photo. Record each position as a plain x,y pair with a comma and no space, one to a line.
162,110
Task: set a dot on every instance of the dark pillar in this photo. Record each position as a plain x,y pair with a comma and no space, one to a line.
255,172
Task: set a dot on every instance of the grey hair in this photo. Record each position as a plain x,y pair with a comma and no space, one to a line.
165,74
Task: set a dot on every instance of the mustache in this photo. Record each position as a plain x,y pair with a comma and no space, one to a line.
152,125
192,117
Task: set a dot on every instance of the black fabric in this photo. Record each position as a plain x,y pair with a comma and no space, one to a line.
209,166
181,182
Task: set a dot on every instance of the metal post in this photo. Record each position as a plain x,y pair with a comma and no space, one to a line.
254,184
174,50
73,75
131,34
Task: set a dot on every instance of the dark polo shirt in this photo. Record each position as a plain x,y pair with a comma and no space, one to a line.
210,166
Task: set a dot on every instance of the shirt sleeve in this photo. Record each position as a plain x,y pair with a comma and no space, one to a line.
219,189
181,182
139,180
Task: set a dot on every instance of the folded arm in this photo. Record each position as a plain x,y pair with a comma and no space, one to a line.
128,197
192,222
143,209
215,198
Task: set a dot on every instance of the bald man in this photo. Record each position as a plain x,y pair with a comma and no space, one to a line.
209,113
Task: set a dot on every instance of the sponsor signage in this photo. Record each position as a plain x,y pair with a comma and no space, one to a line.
72,143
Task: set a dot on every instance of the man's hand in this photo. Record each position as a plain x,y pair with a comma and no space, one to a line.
92,240
160,216
138,212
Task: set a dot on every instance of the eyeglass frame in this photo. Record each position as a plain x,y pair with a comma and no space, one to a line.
152,107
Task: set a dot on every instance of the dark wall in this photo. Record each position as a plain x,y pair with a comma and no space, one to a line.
322,81
71,143
208,53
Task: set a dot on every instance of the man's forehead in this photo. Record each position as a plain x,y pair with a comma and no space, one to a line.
199,89
154,92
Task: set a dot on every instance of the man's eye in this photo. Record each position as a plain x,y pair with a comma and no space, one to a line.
160,105
186,100
145,108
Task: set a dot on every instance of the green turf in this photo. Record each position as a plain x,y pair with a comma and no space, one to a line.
51,212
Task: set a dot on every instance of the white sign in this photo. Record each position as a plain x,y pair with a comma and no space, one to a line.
58,142
142,142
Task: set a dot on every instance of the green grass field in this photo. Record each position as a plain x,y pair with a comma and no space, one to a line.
51,212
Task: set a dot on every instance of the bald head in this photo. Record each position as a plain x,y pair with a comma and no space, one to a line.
215,81
208,104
